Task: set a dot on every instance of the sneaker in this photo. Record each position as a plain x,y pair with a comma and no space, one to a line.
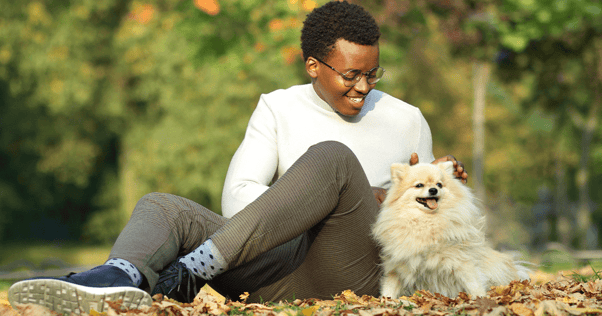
177,282
80,292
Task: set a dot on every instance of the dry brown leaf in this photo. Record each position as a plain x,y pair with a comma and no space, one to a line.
34,310
521,309
584,311
498,311
6,310
484,304
550,307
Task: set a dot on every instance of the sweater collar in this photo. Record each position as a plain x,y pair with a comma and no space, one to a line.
322,104
317,100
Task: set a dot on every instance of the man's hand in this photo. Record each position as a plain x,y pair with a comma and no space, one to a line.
379,194
460,172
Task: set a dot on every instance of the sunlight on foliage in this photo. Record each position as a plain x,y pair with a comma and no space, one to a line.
210,7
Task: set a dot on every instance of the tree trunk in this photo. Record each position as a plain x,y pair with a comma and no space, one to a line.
129,193
588,234
480,80
561,228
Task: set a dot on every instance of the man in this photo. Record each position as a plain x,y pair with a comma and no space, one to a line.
327,145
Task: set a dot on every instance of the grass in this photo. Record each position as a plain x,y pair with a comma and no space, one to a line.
586,278
556,260
4,285
32,256
69,252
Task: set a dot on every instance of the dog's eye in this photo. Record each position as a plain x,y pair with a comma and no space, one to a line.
419,185
439,185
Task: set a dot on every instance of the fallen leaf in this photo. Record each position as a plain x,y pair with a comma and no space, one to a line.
244,296
33,310
484,304
6,310
583,311
497,311
549,307
521,309
309,311
95,313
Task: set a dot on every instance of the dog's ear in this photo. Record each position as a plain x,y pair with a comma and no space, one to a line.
398,171
447,167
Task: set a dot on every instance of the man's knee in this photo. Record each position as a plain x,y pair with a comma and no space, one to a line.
332,148
150,197
150,201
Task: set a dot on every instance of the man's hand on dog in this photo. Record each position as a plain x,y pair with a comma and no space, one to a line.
460,172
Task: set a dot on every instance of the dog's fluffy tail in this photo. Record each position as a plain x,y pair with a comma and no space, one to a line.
523,270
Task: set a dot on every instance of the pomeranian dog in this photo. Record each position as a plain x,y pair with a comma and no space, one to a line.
432,238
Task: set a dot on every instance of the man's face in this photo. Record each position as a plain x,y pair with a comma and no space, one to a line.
330,86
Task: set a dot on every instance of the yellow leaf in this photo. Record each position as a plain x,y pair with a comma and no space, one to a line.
309,311
95,313
244,296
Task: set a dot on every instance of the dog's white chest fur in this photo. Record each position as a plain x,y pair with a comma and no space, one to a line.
431,234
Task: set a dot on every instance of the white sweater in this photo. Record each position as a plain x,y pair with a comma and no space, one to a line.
287,122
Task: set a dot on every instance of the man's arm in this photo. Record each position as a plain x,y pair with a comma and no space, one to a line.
254,164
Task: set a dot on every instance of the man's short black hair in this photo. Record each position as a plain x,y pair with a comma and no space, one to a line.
333,21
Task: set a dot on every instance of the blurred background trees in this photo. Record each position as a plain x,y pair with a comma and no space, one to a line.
104,101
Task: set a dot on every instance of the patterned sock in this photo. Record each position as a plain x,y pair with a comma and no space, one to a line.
129,268
205,262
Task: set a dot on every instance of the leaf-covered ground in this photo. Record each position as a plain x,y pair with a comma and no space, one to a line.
546,294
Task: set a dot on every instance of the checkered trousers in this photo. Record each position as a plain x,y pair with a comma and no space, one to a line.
308,236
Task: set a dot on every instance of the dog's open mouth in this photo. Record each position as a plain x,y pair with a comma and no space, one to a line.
428,202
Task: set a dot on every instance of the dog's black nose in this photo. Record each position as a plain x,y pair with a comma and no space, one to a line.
432,191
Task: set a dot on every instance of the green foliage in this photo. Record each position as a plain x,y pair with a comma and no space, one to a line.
196,113
102,102
104,225
55,140
523,21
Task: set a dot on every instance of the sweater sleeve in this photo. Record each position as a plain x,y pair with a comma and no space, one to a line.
254,164
424,149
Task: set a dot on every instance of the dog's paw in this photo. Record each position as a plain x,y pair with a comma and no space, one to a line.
390,286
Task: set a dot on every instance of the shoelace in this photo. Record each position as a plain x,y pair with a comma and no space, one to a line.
189,294
168,288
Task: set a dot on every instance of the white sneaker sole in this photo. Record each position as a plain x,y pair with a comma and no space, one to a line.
66,298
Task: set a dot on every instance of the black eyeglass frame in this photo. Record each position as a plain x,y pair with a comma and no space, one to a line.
350,82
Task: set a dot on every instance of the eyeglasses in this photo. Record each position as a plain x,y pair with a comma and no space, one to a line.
354,76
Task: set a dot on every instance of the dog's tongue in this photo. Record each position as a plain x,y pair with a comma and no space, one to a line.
431,203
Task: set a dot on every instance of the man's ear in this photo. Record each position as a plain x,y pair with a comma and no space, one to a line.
311,66
398,172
